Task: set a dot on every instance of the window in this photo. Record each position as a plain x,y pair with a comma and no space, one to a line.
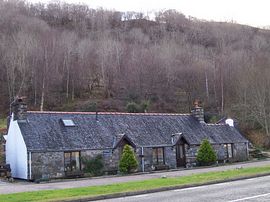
229,148
68,122
158,155
230,152
72,161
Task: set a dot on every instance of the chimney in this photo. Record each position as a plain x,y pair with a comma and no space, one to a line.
229,122
198,112
19,109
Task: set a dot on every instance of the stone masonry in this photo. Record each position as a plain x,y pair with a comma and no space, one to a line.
47,165
51,164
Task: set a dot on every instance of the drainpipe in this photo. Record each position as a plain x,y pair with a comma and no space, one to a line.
114,141
247,151
30,166
142,159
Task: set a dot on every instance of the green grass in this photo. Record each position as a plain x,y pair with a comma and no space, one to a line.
76,193
3,123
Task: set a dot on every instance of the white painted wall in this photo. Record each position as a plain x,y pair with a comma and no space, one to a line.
16,152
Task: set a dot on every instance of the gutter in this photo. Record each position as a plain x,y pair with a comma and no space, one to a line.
107,148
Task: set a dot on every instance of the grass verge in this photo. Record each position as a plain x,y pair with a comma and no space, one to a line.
3,123
83,192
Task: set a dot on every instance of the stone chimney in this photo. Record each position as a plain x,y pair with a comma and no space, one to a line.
19,109
198,112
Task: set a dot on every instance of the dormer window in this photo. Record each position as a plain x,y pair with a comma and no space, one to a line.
68,122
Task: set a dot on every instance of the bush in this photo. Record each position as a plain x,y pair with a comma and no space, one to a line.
93,166
128,161
206,154
144,105
132,107
91,107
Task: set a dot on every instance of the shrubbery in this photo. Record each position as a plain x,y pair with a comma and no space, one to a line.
128,160
206,154
93,166
91,107
133,107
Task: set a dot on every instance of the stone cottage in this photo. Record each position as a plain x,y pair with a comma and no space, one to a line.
52,144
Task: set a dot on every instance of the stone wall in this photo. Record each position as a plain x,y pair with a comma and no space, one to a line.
110,158
51,164
47,165
147,159
221,152
169,157
240,152
3,132
191,153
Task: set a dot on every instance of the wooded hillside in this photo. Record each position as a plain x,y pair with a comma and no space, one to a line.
71,57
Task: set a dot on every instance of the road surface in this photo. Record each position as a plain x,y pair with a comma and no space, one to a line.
254,189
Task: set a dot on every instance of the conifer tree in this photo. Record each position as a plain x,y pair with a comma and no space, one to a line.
128,160
206,154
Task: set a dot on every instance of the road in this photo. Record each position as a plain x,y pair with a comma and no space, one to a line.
255,189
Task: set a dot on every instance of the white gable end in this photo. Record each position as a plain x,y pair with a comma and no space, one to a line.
16,152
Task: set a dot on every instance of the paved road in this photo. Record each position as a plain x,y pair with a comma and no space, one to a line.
23,186
255,189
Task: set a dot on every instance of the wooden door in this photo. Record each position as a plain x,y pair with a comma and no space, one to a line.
180,155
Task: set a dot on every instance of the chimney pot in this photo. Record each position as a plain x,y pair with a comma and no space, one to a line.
229,122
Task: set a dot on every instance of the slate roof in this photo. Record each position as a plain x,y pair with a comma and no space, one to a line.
44,131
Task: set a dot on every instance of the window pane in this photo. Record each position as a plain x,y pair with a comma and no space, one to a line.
154,156
72,161
76,157
229,150
68,122
157,155
160,155
67,162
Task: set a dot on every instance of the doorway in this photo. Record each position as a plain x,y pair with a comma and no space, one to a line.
180,155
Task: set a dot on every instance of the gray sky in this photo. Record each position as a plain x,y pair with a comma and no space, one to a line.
251,12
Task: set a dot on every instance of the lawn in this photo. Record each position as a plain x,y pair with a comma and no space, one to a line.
3,123
82,192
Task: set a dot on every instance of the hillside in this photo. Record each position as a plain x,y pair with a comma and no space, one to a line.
71,57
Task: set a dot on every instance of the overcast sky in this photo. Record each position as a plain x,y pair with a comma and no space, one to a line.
251,12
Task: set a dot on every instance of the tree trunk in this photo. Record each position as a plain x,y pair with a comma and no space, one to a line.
72,95
222,93
42,94
206,86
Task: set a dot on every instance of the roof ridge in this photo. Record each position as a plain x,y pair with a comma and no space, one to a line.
109,113
216,124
